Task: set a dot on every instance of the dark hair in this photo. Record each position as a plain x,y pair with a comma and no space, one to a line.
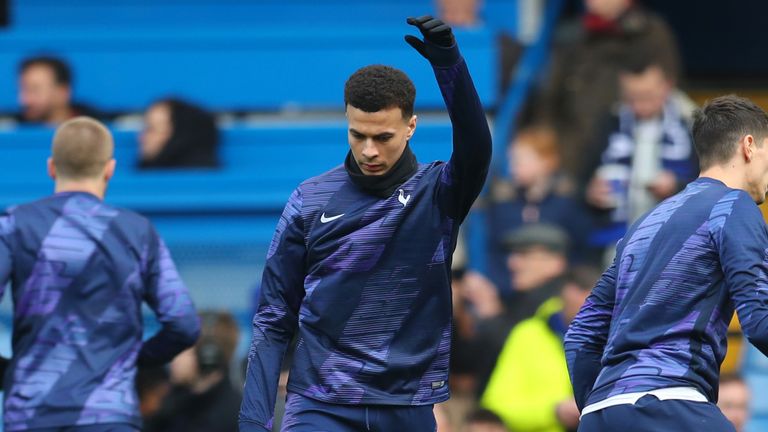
59,67
194,141
733,377
377,87
721,123
636,62
484,416
583,276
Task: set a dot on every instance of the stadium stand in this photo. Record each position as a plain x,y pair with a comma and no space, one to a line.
231,55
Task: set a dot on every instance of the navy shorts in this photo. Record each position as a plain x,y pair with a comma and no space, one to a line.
303,414
111,427
650,414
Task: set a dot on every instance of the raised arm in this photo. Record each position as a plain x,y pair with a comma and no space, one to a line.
168,297
588,334
468,167
282,290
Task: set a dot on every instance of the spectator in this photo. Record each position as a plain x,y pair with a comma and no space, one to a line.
458,13
537,192
178,134
203,398
733,401
485,421
45,92
530,388
587,54
537,261
646,152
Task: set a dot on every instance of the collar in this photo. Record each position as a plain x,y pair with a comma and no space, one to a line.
383,186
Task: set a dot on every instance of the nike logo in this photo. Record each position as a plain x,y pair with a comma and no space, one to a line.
403,199
324,219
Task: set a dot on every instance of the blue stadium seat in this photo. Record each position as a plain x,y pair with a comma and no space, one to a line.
231,69
261,166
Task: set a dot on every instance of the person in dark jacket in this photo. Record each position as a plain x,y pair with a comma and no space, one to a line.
582,82
178,134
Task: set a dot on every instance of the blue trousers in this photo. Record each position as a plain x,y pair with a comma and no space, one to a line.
111,427
303,414
650,414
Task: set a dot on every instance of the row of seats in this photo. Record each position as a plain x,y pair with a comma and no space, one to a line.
217,223
260,167
234,56
242,13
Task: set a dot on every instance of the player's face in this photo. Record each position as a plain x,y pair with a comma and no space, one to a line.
157,130
757,173
378,139
646,92
39,94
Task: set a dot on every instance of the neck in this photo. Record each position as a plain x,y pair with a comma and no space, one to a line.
89,186
727,174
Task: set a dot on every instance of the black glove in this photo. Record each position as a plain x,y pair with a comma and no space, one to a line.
439,45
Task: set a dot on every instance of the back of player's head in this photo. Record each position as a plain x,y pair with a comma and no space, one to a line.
81,148
720,124
61,72
377,87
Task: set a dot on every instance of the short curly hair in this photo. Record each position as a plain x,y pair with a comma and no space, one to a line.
377,87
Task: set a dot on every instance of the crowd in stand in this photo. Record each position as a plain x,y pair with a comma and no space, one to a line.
604,137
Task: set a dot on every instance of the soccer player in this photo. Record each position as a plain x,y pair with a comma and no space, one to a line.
644,352
361,262
79,272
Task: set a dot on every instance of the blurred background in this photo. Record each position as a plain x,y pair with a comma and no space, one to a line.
221,107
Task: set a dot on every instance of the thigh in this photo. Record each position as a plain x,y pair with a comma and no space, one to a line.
303,414
402,418
651,415
693,416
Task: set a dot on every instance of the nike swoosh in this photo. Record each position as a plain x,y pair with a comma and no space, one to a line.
324,219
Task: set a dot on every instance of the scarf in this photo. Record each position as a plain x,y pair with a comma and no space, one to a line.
676,144
676,154
383,186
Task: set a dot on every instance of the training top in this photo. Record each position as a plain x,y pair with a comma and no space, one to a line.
658,317
79,271
367,279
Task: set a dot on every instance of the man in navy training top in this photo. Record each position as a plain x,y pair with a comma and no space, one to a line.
361,262
645,350
79,272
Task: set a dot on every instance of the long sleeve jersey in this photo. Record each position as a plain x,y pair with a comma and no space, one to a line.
79,271
367,279
658,317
